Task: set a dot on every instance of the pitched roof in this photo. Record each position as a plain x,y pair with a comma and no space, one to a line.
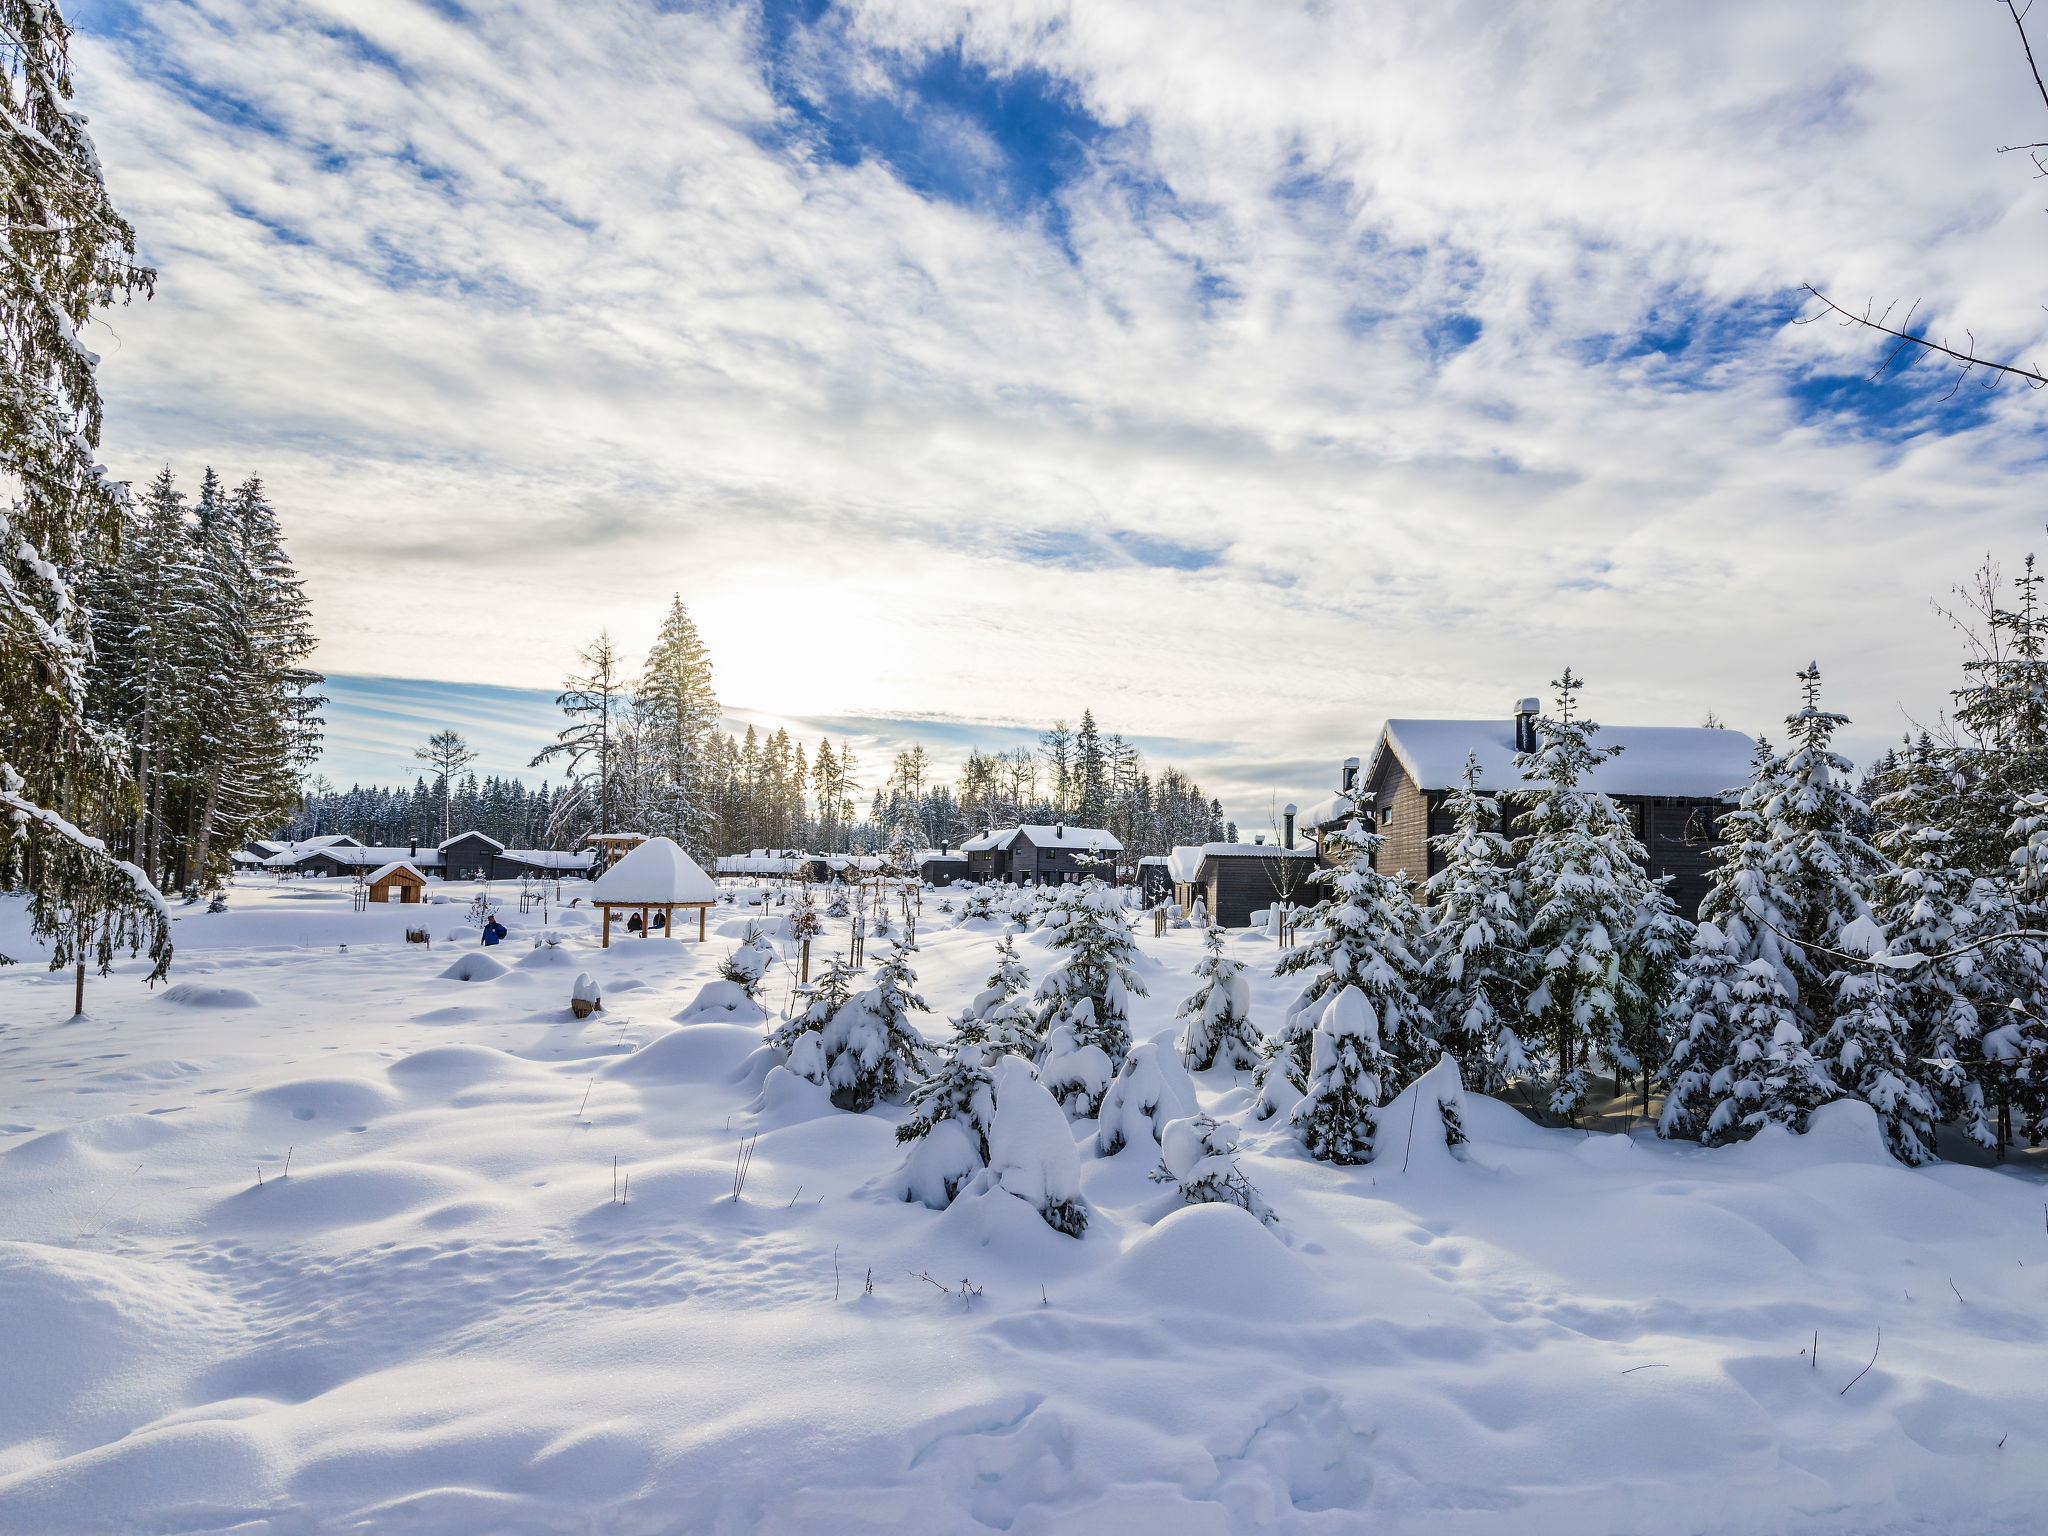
657,873
393,867
1185,862
465,836
1056,836
355,857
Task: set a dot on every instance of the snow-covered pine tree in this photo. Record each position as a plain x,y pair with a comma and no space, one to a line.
1031,1150
1000,1009
1369,935
746,966
835,902
1084,1001
1150,1089
68,254
801,1039
951,1115
1738,1059
1929,904
1585,893
1219,1029
1199,1156
678,708
872,1050
1348,1080
1478,965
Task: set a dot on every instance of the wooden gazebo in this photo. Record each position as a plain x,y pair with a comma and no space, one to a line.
397,881
657,876
613,846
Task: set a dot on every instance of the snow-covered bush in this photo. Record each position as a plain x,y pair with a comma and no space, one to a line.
801,1040
984,904
1084,1001
1348,1081
745,966
1477,966
805,922
1199,1156
1005,1020
835,904
951,1115
1219,1028
1031,1149
872,1050
1149,1090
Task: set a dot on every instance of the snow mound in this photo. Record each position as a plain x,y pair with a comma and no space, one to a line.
474,967
548,956
192,994
1426,1124
698,1053
766,927
94,1342
1218,1258
90,1146
1845,1131
334,1101
348,1196
455,1066
724,1002
787,1099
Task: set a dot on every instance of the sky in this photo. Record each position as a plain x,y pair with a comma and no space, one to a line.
1247,373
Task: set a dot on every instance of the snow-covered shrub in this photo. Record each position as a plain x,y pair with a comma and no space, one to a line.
1349,1071
1477,966
745,966
1219,1028
801,1040
1084,1001
219,903
1031,1150
835,904
879,925
872,1050
951,1115
804,920
1149,1090
984,904
1006,1021
1199,1155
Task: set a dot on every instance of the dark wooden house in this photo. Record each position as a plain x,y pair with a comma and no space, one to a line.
1035,855
1674,782
1155,881
940,866
1234,880
469,856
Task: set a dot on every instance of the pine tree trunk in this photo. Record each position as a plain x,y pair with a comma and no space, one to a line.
206,816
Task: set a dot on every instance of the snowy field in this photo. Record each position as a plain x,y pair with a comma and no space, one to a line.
442,1320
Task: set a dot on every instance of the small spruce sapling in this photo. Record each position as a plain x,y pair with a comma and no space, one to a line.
1199,1156
951,1115
1219,1029
1084,1002
801,1040
1337,1118
1478,965
1031,1150
746,966
872,1050
1150,1089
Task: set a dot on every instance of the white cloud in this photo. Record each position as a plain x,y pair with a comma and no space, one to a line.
534,318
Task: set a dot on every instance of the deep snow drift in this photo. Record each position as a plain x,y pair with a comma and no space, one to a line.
443,1319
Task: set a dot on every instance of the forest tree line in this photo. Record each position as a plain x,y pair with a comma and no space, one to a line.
646,751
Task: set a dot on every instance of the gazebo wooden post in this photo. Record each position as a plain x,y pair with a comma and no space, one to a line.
607,926
701,910
645,916
668,922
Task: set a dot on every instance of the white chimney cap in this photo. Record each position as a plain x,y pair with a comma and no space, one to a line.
1350,762
1288,809
1529,707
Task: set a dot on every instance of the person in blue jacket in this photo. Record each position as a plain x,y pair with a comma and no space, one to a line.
494,931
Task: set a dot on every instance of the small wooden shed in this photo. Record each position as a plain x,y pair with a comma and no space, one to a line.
397,881
655,877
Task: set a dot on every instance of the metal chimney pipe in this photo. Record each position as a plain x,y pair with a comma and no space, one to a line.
1526,711
1350,774
1287,827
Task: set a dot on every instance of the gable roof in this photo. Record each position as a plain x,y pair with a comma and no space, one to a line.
1687,762
394,867
1185,862
657,873
460,837
1088,839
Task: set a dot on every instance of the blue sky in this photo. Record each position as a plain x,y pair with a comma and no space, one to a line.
1246,374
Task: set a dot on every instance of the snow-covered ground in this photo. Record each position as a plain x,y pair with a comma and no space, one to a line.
442,1320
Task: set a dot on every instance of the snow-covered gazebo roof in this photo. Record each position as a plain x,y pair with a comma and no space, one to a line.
656,874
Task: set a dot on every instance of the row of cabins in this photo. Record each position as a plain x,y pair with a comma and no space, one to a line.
466,856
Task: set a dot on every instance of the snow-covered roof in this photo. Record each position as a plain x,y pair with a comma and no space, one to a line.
462,836
1185,862
551,858
1152,858
1092,838
657,873
614,837
357,857
1677,761
760,862
932,855
393,868
866,861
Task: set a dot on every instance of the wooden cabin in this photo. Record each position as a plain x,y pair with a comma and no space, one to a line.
397,882
1674,782
1234,880
1036,855
939,866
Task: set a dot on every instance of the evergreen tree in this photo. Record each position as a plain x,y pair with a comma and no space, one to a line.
1084,1001
1219,1028
801,1040
1369,936
1478,966
959,1096
872,1050
1348,1080
68,254
1198,1155
1586,894
680,710
591,700
447,754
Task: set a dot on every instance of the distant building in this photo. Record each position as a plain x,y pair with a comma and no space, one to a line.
1674,782
466,856
941,866
1039,855
1234,880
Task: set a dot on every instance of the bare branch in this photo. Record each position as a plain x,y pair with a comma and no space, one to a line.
2019,19
1969,359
